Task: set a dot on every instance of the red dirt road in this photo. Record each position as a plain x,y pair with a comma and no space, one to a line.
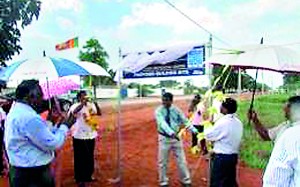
139,154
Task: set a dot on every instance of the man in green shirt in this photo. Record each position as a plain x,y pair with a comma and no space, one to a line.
169,120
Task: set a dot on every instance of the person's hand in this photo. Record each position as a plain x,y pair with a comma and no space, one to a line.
252,115
70,120
174,136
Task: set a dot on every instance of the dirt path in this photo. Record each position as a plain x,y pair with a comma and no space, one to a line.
139,153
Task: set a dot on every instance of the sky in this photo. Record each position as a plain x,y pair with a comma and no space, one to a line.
139,25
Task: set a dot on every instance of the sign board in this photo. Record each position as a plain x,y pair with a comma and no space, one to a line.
190,64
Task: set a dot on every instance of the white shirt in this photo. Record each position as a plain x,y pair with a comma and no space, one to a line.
226,134
81,129
275,132
283,169
2,114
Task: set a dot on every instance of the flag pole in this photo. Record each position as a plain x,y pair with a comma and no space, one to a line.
118,179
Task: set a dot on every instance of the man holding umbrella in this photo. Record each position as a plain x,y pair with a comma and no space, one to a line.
272,134
29,143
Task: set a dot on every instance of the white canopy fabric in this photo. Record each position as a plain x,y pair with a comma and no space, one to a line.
270,57
136,61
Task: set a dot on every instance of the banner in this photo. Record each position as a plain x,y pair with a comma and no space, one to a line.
72,43
190,64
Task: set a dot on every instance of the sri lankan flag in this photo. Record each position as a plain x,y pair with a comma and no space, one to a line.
67,45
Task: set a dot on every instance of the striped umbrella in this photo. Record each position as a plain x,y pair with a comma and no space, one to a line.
48,67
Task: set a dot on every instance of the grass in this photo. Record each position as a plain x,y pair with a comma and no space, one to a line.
254,151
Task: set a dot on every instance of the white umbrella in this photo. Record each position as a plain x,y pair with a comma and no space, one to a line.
48,67
94,69
269,57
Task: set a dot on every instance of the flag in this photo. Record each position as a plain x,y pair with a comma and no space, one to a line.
72,43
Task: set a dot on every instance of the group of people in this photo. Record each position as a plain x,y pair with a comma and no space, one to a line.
30,143
226,134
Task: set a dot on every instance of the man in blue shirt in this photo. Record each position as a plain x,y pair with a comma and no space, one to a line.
29,143
169,119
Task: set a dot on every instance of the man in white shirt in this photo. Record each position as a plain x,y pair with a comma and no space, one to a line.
283,169
84,137
272,134
226,134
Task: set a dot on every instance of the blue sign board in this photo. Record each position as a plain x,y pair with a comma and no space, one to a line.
190,64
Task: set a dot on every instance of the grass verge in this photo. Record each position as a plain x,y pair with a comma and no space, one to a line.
254,151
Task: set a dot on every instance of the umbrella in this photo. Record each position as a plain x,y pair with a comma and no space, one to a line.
48,67
58,86
268,57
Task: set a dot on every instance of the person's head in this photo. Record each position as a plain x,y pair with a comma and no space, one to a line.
218,88
82,96
292,108
229,106
167,99
30,91
197,98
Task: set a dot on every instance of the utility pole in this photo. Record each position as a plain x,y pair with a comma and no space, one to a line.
209,66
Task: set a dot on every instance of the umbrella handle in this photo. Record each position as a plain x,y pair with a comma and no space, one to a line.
253,94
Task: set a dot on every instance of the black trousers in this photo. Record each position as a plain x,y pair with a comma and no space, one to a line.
83,159
40,176
200,128
223,170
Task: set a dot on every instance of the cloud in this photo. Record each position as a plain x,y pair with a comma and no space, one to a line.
65,23
161,14
54,5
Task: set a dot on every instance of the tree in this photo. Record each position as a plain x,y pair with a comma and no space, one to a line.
95,53
189,88
232,79
169,83
13,12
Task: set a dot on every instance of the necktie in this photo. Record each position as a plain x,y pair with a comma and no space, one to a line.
168,116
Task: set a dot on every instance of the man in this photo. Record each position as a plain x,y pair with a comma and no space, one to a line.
283,168
169,119
226,135
273,133
84,136
29,143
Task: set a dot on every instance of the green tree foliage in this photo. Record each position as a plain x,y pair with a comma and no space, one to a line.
232,81
95,53
189,88
169,83
15,14
291,81
142,89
